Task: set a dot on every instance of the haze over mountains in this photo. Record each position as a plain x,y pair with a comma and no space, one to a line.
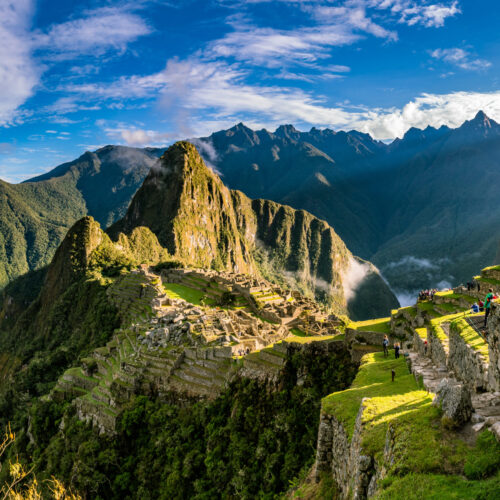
423,208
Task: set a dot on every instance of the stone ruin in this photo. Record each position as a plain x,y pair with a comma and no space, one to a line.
270,302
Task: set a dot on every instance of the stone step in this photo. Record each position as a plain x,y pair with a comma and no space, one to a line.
189,375
191,387
271,357
206,372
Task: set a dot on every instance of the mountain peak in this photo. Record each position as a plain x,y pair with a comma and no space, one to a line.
481,119
287,131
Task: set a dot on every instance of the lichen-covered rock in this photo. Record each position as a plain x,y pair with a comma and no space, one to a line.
455,401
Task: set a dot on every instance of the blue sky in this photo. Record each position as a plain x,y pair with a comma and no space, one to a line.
76,75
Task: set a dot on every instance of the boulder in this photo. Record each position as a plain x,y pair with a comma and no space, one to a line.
455,401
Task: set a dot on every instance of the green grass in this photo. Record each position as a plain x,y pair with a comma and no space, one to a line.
471,337
297,332
490,281
422,333
450,294
428,307
176,291
429,461
314,338
381,325
411,310
438,487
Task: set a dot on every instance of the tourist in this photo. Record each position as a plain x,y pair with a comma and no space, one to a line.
425,347
385,344
397,347
248,350
475,308
487,305
481,306
469,286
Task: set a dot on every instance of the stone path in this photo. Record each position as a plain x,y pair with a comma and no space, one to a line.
486,405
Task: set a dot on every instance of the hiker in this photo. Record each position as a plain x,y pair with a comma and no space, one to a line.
396,350
487,305
481,306
469,286
425,347
475,308
385,344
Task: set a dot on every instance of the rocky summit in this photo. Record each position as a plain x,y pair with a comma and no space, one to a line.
200,221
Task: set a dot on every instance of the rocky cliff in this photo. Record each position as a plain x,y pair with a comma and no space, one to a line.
202,222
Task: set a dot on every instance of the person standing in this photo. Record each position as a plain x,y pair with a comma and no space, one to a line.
487,306
385,344
396,350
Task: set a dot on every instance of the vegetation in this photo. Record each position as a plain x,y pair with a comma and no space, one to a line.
381,325
408,409
177,291
248,443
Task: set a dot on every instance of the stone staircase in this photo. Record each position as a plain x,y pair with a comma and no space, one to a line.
450,355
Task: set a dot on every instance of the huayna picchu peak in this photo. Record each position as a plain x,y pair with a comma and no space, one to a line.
200,221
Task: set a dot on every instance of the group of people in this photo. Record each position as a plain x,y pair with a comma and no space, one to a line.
385,344
485,306
472,285
243,352
426,294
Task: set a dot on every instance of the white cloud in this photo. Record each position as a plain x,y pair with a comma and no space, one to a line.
412,12
198,94
18,72
269,47
95,33
461,58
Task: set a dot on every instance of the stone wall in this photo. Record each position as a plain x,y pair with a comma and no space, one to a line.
355,473
493,339
371,338
438,351
467,364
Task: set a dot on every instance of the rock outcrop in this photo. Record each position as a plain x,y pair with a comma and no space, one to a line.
455,401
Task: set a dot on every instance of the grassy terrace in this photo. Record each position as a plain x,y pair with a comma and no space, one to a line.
422,333
429,461
381,325
471,336
314,338
450,294
428,307
176,291
411,310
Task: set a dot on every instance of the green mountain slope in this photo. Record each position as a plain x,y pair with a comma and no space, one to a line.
35,215
202,222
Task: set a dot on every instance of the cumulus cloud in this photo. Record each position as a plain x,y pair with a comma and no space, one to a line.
19,74
461,58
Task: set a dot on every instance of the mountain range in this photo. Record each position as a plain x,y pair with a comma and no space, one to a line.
423,208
